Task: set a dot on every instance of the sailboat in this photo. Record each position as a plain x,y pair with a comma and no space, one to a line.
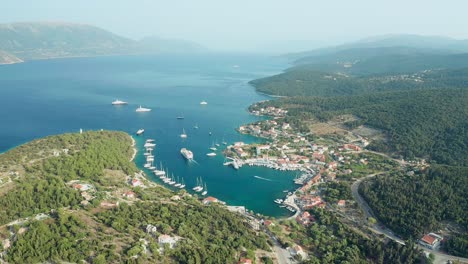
172,181
195,126
213,148
183,184
199,186
205,191
177,182
160,172
152,167
183,135
148,152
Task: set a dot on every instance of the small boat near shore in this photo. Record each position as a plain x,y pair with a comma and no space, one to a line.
182,185
140,131
278,201
199,186
211,154
149,145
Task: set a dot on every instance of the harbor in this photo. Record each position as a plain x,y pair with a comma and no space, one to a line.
169,90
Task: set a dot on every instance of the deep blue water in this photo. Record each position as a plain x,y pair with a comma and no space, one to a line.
41,98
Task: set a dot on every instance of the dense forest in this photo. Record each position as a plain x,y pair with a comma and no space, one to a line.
74,232
423,123
331,241
389,60
302,81
415,205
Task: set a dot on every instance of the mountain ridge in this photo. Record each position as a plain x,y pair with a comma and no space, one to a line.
45,40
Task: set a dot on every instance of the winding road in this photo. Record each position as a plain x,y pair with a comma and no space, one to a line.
377,228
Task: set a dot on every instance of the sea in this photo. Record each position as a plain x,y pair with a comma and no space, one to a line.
48,97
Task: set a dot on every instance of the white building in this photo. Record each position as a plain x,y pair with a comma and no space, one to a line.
166,239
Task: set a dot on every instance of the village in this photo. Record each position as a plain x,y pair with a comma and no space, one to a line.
319,163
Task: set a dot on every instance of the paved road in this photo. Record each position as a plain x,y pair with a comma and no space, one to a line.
283,256
440,257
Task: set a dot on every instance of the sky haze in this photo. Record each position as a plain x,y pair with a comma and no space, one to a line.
260,25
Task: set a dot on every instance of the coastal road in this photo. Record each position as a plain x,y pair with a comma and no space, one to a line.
283,256
380,229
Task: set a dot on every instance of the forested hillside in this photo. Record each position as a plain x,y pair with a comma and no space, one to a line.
415,205
45,217
305,81
424,123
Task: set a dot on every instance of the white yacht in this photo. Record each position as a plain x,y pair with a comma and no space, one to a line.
205,191
183,135
142,109
182,185
187,154
118,102
172,181
211,154
278,201
178,184
140,131
149,145
160,172
203,103
199,186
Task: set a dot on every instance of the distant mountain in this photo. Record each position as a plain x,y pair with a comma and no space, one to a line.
7,58
43,40
388,60
427,44
386,55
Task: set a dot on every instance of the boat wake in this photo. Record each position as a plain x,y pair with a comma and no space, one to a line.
265,179
194,161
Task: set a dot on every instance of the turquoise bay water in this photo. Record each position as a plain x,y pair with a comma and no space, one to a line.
48,97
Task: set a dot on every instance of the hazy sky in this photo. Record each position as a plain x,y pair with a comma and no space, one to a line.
269,25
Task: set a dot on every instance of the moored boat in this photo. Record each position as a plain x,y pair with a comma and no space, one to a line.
187,154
